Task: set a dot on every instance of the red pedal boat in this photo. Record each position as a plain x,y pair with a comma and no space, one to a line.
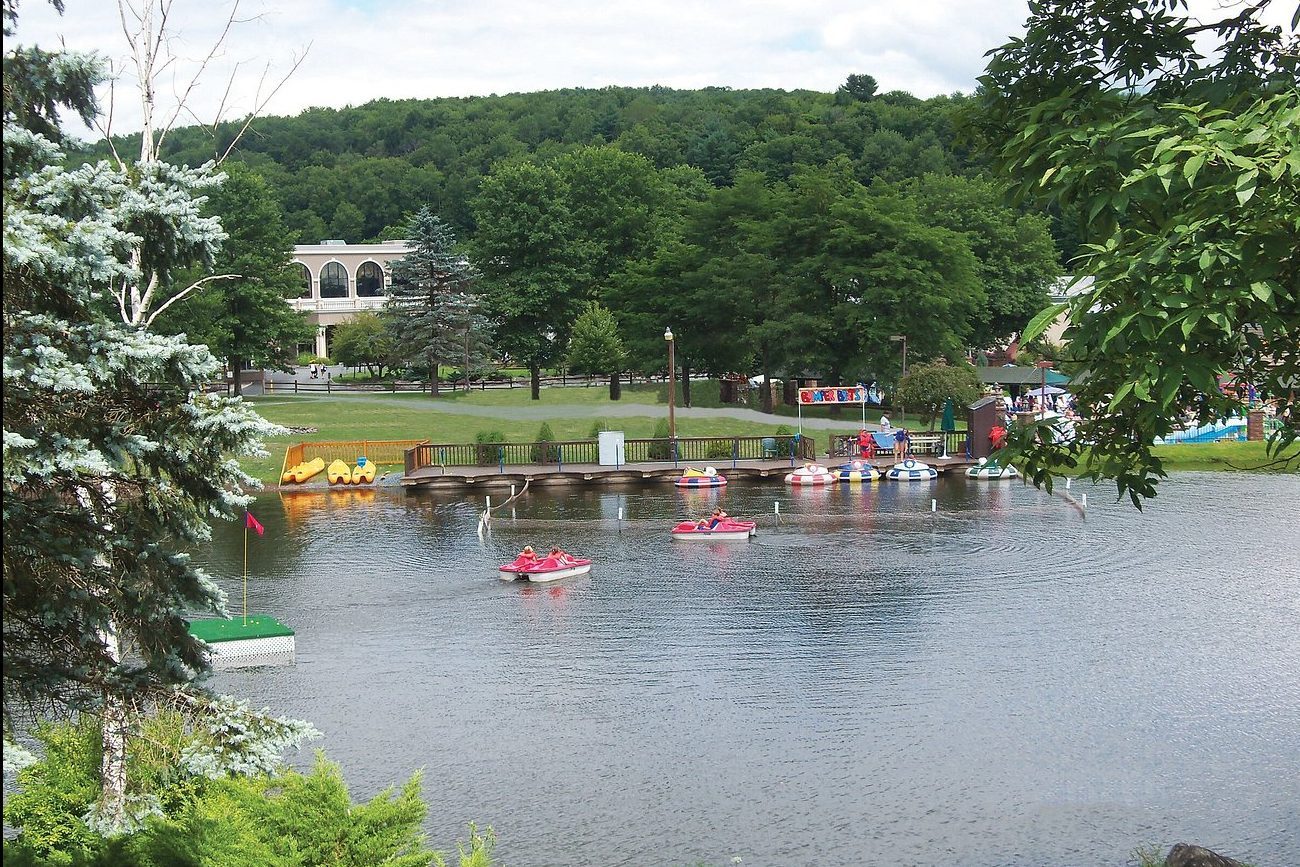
543,569
724,529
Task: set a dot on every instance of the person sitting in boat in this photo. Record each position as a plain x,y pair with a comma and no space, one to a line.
526,556
717,518
560,556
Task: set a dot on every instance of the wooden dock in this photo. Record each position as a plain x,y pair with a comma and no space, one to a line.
649,472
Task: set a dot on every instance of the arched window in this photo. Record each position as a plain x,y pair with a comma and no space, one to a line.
370,280
333,281
306,281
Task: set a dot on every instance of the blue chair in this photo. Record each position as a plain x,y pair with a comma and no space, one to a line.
769,447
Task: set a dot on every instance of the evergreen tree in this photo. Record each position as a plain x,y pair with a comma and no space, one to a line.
596,347
113,455
432,306
246,317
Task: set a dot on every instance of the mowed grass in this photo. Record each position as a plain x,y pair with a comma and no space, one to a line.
408,417
1231,456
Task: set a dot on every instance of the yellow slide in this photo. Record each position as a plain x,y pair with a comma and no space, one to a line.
339,473
363,474
304,471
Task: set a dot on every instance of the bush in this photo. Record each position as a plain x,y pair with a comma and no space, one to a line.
546,454
486,452
660,451
784,448
596,429
719,451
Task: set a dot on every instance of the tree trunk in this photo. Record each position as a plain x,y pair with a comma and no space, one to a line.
112,768
237,369
686,384
767,380
615,386
433,374
535,374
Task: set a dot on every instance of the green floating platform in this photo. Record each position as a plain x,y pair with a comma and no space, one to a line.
213,630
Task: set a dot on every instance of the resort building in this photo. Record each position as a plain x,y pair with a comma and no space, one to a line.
1063,290
341,279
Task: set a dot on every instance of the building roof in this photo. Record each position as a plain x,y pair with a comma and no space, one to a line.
1019,376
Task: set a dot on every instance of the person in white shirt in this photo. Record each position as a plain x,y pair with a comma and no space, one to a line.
884,422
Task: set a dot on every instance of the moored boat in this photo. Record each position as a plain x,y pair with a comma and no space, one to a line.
912,470
810,474
705,478
857,471
989,470
299,473
725,530
363,473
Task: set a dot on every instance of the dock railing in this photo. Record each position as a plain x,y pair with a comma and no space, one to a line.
693,450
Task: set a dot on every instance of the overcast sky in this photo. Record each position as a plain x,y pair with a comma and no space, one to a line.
360,50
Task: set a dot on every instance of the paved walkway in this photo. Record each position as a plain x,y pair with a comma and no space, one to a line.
544,411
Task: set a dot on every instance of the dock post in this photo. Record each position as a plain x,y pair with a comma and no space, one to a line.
934,505
501,459
776,509
512,492
559,458
735,451
1085,501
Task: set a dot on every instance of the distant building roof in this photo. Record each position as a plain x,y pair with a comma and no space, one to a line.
1066,288
1019,376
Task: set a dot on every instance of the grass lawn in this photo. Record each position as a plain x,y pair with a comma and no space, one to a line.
404,417
1228,456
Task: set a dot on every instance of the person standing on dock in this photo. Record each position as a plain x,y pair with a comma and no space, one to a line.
900,443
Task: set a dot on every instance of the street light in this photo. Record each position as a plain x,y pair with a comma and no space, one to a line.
902,411
672,385
1042,391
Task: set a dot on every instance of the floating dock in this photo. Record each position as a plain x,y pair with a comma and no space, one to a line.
241,642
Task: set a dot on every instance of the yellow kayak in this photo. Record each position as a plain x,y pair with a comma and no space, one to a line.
339,473
304,471
363,475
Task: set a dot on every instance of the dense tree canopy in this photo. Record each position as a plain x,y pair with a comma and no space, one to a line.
1183,163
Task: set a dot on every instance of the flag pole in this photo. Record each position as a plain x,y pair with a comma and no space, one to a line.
245,569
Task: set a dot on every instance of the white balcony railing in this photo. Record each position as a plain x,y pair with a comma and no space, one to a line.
338,305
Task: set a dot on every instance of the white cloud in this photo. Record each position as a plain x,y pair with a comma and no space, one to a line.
367,49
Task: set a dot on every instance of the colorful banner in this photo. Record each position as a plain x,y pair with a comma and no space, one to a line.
850,394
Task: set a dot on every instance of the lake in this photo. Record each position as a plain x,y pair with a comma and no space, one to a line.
1005,680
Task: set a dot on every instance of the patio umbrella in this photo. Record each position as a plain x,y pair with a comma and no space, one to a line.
949,423
1040,392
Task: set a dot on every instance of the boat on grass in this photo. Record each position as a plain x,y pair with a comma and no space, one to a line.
339,473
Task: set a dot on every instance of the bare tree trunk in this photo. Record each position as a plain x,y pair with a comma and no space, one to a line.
686,384
115,728
767,380
615,386
535,371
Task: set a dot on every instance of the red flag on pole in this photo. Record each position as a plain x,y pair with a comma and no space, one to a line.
251,522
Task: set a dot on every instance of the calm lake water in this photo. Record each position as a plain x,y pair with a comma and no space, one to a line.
1003,681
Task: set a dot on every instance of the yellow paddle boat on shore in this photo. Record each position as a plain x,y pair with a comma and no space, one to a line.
363,473
300,473
339,473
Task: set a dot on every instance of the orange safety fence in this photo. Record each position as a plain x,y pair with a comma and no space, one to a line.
379,452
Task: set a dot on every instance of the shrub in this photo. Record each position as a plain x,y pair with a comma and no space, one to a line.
485,452
596,428
659,451
784,448
719,451
546,454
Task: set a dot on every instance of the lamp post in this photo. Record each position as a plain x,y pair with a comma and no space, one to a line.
1042,389
672,386
902,411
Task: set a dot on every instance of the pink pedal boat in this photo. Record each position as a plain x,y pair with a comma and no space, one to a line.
543,569
724,530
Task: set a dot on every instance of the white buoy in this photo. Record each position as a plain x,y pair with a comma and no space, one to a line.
1067,483
1085,501
512,492
776,509
620,513
934,505
488,502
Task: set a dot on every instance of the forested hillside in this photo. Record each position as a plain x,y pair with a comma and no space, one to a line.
354,173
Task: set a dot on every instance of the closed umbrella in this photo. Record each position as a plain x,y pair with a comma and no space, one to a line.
949,422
